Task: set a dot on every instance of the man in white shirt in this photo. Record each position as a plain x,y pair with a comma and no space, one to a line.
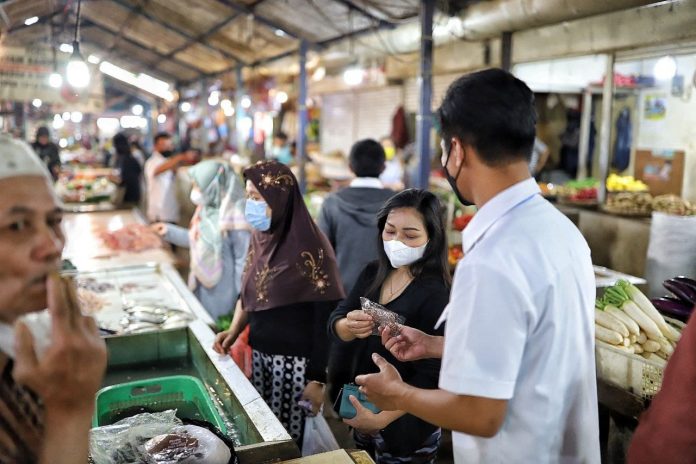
160,172
517,383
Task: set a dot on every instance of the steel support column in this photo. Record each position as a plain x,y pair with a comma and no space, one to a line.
585,124
239,111
506,51
605,131
302,113
424,120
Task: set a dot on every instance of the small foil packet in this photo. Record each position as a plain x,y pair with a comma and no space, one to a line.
382,317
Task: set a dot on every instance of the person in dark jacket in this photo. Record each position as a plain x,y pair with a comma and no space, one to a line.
411,278
47,151
349,220
130,169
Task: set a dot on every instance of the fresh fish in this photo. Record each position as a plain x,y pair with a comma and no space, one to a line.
139,327
142,316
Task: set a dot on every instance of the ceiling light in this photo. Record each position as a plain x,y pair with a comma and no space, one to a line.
76,117
94,59
226,103
77,71
66,116
229,111
133,122
214,98
37,103
58,122
63,143
665,68
137,110
142,81
353,76
280,33
281,97
66,48
32,20
161,118
319,74
185,107
246,102
108,124
55,80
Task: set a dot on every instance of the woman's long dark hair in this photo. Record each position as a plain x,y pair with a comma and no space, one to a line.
434,260
121,145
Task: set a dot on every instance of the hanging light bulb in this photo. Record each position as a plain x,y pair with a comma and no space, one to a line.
55,80
77,71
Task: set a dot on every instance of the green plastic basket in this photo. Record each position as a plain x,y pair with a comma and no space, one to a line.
184,393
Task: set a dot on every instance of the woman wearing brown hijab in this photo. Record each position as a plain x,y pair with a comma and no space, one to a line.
289,288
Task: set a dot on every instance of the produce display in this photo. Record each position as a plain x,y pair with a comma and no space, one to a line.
454,254
617,183
626,319
629,203
681,301
580,191
132,237
460,222
672,204
85,190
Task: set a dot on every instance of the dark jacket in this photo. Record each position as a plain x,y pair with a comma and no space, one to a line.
131,173
49,154
349,220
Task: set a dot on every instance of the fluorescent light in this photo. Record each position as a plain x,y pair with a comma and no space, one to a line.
353,76
58,122
319,74
55,80
226,103
66,116
246,102
185,107
229,111
37,103
133,122
214,98
142,81
162,118
66,48
281,97
77,71
665,68
76,117
32,20
63,143
280,33
94,59
137,110
108,124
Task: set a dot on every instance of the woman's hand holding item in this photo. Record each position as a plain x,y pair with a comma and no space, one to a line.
160,228
314,392
356,324
224,341
365,420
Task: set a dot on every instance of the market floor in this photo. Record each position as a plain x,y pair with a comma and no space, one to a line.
345,438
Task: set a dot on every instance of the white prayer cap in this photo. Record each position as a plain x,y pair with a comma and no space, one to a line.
18,159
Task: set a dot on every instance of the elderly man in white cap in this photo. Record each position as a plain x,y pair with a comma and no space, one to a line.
46,395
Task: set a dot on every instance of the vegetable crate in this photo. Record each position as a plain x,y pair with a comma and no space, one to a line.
184,393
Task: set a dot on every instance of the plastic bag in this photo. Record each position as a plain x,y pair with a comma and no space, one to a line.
241,353
382,317
318,437
123,442
671,250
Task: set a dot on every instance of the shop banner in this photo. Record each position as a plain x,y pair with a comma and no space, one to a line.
24,73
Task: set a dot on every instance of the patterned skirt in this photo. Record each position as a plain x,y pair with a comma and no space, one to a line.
379,449
281,380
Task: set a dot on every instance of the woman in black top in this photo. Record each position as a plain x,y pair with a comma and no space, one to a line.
411,277
129,168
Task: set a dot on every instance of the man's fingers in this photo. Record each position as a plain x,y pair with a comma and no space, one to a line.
357,405
90,325
363,379
72,300
380,362
57,305
25,356
359,316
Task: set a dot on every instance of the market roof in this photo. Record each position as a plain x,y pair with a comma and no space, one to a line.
183,40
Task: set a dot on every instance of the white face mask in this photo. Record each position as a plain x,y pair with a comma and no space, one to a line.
196,197
400,254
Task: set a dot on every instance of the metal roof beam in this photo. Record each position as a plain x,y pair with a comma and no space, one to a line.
89,22
265,21
179,31
352,6
202,37
42,19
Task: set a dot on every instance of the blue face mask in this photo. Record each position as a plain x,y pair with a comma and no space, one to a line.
255,213
282,154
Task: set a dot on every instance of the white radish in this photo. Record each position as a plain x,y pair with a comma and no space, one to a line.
625,349
626,342
662,355
637,349
647,307
665,347
633,338
657,359
608,336
642,338
643,320
651,346
610,322
623,317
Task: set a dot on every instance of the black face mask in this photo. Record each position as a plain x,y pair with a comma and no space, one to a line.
167,153
453,180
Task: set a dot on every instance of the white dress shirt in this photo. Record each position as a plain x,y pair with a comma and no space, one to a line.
162,204
367,182
520,327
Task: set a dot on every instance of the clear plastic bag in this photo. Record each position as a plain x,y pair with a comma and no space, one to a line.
382,317
124,441
318,437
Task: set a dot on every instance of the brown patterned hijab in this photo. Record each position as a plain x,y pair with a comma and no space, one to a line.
293,261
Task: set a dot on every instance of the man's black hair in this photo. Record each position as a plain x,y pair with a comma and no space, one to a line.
282,136
162,135
492,111
367,158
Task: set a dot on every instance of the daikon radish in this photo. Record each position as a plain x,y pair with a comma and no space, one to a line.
637,349
655,358
642,338
648,308
662,355
608,336
643,320
610,322
626,349
633,339
651,346
665,347
623,317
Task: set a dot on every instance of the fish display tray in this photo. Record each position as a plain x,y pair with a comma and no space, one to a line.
184,393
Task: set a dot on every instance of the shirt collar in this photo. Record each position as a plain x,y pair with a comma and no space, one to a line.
496,208
366,182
